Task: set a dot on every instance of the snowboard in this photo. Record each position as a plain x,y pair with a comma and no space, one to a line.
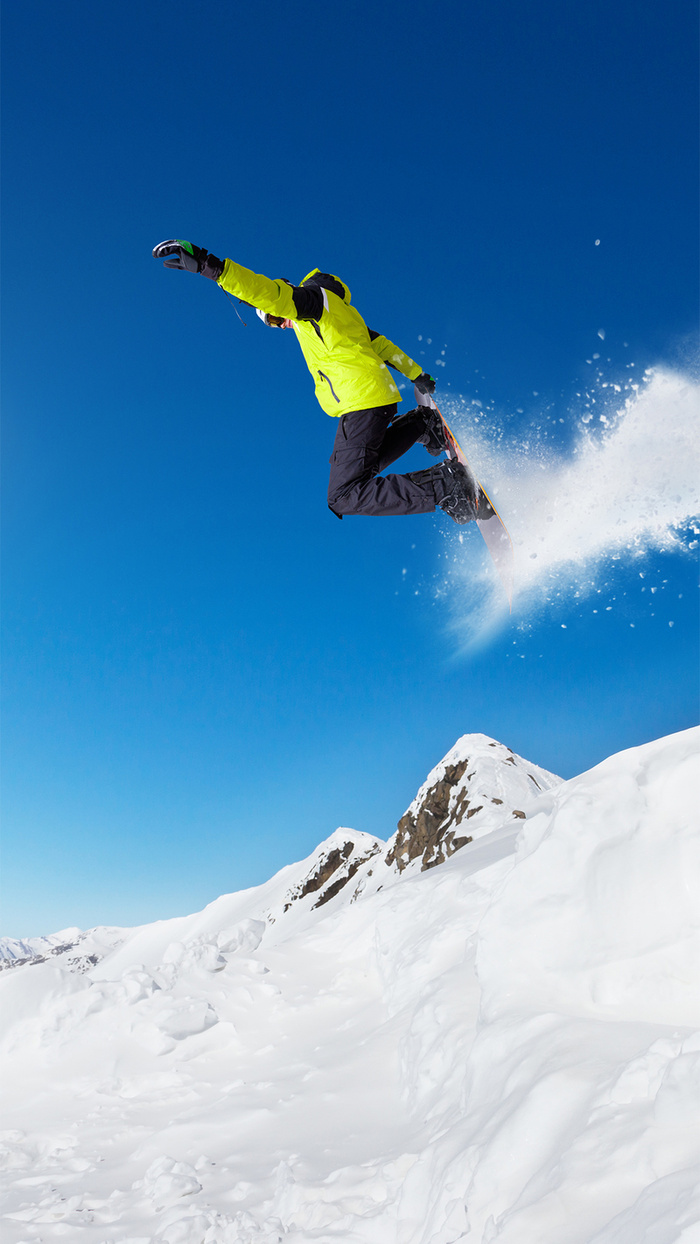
489,521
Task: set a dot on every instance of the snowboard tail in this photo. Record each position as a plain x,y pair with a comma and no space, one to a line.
488,520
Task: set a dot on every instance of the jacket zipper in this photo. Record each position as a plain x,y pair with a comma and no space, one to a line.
325,377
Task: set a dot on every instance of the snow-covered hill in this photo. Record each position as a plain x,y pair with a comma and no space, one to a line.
71,947
504,1048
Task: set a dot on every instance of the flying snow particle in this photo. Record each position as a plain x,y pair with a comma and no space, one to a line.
627,487
597,241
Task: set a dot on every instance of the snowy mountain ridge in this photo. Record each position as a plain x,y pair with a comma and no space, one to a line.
91,946
504,1049
480,783
478,786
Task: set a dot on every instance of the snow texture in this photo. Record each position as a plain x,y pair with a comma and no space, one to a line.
504,1049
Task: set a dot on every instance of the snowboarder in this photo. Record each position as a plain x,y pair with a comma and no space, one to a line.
349,362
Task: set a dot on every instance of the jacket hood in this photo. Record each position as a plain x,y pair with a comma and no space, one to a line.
327,281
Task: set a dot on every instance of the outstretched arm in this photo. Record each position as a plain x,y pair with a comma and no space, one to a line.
276,297
279,298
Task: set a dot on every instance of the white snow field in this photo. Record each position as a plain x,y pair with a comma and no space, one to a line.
504,1047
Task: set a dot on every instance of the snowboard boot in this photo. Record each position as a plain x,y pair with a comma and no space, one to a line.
459,494
432,436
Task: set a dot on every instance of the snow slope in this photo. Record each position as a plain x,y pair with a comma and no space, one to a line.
502,1048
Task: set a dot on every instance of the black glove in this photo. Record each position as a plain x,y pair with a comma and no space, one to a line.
424,383
189,258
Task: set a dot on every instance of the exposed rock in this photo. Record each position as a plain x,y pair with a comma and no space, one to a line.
471,784
83,963
429,830
340,863
325,870
336,886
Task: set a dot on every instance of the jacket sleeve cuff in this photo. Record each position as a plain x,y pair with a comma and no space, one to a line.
213,267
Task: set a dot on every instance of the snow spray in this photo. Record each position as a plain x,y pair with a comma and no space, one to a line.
629,486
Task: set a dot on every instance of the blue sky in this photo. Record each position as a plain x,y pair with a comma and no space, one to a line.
204,671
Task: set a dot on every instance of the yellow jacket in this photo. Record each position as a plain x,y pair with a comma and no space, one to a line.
347,361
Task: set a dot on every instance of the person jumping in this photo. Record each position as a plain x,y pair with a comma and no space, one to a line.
350,366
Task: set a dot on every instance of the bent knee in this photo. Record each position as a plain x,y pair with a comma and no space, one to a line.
341,502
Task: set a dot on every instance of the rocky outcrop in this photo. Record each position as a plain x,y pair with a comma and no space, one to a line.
430,829
336,866
478,786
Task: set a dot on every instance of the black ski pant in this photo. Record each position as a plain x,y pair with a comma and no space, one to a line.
366,442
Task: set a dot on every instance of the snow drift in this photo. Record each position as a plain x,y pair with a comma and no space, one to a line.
502,1048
